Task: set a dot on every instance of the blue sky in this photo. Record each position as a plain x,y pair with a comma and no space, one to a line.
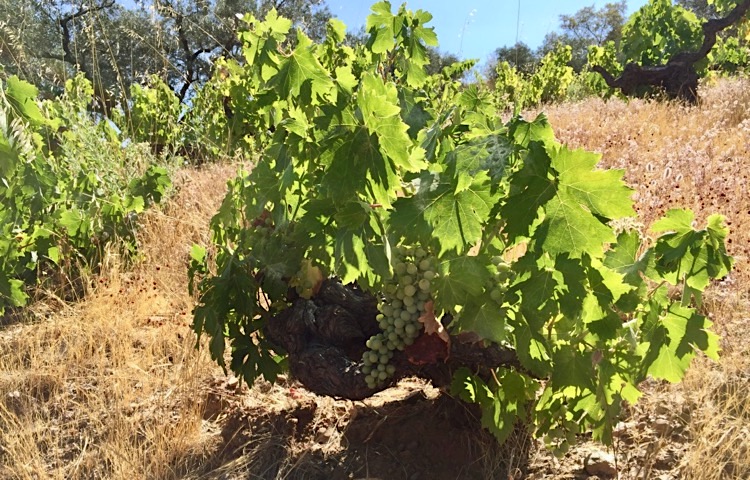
475,28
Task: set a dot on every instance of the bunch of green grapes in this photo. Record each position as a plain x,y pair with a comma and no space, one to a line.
306,279
402,304
503,276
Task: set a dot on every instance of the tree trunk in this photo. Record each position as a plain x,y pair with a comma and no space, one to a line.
325,338
678,78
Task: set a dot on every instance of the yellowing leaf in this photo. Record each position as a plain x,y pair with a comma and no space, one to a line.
432,325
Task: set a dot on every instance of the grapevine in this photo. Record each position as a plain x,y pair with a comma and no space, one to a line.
394,226
64,197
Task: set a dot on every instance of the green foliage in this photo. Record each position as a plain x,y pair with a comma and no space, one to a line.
548,83
589,26
519,56
605,56
730,56
658,31
152,115
722,6
117,44
367,156
66,188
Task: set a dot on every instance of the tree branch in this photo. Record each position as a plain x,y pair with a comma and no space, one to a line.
64,23
678,77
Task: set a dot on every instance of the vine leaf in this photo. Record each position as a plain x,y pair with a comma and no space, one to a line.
457,217
568,228
584,199
672,341
434,345
380,25
381,112
694,256
22,96
12,292
501,406
487,320
626,259
530,188
602,192
301,67
460,281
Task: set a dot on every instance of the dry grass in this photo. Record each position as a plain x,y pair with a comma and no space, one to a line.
112,387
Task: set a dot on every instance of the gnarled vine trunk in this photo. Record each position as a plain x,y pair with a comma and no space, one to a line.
678,78
325,338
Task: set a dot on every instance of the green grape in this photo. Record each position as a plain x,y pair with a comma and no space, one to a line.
400,268
496,294
503,267
405,296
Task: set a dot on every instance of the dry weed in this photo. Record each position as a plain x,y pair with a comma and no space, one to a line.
112,387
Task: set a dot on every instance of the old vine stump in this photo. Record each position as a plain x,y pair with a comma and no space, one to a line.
325,338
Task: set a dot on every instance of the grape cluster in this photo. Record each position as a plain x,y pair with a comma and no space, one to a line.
306,279
503,276
403,302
